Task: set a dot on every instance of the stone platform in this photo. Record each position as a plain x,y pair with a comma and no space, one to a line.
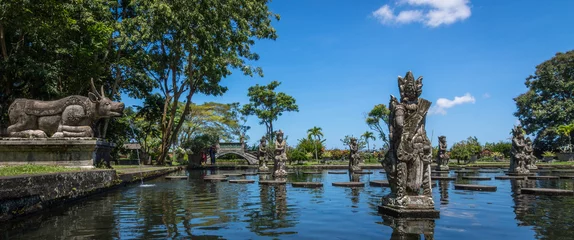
379,183
442,178
241,181
476,178
409,213
272,182
543,177
475,187
307,184
505,177
546,191
348,184
336,172
69,152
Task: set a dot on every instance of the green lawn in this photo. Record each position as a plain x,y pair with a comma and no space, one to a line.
33,169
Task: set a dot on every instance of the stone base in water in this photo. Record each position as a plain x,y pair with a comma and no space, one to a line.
379,183
336,172
272,182
307,184
546,191
176,177
510,177
475,187
409,213
242,181
348,184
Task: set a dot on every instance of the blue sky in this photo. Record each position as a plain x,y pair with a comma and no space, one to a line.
340,58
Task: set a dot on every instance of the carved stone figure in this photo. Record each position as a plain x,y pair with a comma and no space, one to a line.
529,150
262,155
280,156
354,157
518,154
408,160
442,158
71,116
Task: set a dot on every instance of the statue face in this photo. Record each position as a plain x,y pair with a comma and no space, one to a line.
280,138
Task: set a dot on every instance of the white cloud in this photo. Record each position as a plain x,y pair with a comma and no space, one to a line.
442,103
432,13
485,95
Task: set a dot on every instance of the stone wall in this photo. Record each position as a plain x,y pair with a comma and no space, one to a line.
73,152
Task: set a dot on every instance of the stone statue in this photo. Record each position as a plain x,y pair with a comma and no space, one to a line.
529,150
262,155
354,157
71,116
442,158
280,156
408,160
518,155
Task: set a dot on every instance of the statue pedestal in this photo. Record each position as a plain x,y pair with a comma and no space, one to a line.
410,207
69,152
103,152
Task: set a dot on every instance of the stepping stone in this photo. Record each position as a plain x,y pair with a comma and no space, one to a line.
567,177
232,174
442,178
379,183
546,191
361,172
241,181
540,170
464,171
543,177
476,178
440,171
272,182
215,179
249,174
505,177
307,184
312,172
475,187
349,184
264,172
520,174
563,170
489,171
213,176
337,172
176,177
383,171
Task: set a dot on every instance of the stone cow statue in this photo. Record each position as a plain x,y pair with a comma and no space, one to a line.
71,116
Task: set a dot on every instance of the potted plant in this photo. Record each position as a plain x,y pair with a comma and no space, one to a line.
566,153
548,156
497,156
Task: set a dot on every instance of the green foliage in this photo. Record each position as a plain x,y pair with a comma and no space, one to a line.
378,120
502,147
308,145
548,154
199,143
367,136
297,155
317,133
33,169
549,101
347,140
268,105
465,149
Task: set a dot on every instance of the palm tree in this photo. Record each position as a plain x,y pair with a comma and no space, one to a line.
315,132
368,135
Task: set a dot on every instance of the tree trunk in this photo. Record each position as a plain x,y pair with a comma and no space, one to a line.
3,42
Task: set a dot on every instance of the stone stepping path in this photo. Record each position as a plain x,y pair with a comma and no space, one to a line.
547,191
213,176
563,170
474,187
465,171
489,171
540,170
176,177
379,183
311,172
440,171
215,179
272,182
476,178
232,174
307,184
334,172
442,178
263,172
567,177
249,174
361,172
543,177
241,181
506,177
349,184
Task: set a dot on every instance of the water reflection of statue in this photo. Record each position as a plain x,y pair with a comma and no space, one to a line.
280,156
407,162
410,228
529,151
355,191
262,155
354,157
442,156
280,200
518,155
443,188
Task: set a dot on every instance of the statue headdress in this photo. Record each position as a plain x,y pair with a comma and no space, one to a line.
409,87
279,133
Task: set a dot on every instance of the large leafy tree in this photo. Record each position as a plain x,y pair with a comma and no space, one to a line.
378,121
317,133
193,44
549,101
268,105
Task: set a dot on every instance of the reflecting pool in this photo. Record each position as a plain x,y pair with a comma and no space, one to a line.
192,208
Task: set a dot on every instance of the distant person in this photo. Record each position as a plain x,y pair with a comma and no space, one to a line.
212,151
203,157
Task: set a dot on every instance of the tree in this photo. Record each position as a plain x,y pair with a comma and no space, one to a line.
549,101
210,118
347,140
268,105
366,136
378,120
191,45
317,134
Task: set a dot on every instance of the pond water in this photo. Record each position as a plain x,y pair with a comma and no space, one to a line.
192,208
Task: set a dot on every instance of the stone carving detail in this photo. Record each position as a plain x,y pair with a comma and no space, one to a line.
262,155
408,160
442,158
71,116
280,156
521,153
354,157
